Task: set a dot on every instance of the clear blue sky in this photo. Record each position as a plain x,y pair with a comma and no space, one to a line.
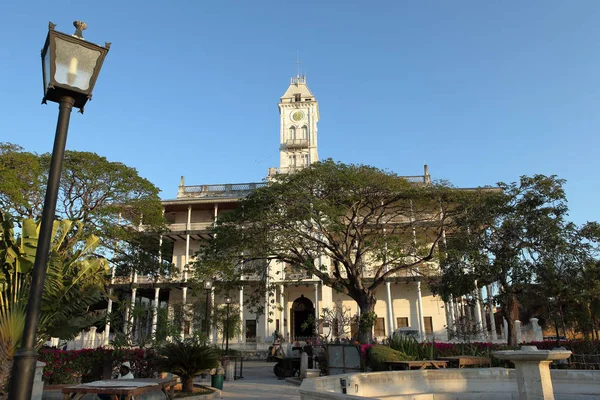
482,91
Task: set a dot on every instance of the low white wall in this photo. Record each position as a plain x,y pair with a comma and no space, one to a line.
449,384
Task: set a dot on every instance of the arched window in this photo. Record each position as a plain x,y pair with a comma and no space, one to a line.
304,132
292,133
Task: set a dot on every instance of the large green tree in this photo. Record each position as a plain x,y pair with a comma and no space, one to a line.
109,198
352,226
514,238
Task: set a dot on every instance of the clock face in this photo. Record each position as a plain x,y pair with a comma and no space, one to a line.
297,116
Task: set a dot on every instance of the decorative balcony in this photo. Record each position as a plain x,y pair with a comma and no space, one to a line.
194,226
297,276
143,280
229,190
295,143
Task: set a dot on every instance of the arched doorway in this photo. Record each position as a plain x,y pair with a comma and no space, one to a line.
302,311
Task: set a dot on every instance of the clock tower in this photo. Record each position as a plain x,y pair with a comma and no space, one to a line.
299,115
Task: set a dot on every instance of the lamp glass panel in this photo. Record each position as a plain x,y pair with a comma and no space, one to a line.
75,64
46,70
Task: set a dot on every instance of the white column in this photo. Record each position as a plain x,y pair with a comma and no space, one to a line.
420,311
109,308
183,310
187,239
108,312
132,331
452,315
216,212
317,308
479,324
390,309
160,242
130,320
266,314
518,331
505,333
212,302
491,311
482,312
155,311
92,337
447,315
242,337
419,297
283,319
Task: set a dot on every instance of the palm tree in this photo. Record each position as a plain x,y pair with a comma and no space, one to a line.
74,281
187,359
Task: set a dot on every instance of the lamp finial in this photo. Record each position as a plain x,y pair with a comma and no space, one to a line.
80,26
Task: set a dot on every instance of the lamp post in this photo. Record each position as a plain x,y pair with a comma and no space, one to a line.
228,303
207,288
70,67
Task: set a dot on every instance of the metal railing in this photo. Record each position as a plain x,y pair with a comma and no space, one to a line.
194,226
231,190
293,143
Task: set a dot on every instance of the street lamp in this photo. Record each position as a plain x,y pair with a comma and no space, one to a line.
228,303
70,68
207,287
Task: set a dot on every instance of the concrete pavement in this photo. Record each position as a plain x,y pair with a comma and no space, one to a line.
259,382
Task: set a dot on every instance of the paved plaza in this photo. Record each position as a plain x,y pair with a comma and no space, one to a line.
259,382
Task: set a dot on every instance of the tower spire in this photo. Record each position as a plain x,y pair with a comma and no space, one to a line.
298,64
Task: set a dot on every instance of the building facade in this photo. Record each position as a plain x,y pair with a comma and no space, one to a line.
403,302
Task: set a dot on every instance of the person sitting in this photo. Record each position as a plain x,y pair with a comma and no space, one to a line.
125,371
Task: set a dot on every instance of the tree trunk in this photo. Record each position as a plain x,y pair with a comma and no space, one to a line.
511,315
366,304
187,384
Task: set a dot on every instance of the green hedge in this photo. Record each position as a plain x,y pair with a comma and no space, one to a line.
378,355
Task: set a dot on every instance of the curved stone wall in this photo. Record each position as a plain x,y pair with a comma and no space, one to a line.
446,384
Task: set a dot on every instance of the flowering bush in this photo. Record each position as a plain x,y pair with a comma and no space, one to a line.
364,349
70,366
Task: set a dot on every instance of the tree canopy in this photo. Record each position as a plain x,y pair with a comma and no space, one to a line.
516,238
109,198
352,226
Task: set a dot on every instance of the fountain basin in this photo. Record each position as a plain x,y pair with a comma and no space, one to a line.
531,353
446,384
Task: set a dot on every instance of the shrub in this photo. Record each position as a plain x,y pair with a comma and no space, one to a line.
69,366
377,356
186,359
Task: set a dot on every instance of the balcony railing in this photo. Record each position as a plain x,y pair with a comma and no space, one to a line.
230,190
194,226
142,280
297,276
295,143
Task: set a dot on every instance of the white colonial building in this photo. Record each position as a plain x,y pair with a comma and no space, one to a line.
404,301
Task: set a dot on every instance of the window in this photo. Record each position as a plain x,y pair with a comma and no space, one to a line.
292,133
304,132
305,160
297,96
250,330
402,322
292,161
428,325
380,327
